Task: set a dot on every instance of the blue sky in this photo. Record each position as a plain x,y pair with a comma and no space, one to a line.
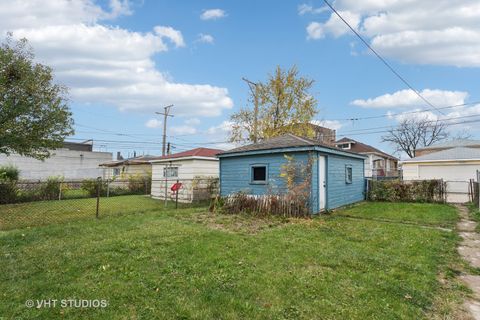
123,60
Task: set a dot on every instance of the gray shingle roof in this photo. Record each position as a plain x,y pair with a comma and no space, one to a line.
460,153
453,144
285,141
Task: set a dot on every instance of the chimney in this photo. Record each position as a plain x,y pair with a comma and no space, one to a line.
134,154
119,156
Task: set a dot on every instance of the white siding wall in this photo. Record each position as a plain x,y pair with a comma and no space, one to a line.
187,170
70,164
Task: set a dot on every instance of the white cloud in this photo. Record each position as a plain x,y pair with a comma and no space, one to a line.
205,38
183,129
168,32
153,123
333,25
222,129
306,8
409,99
103,64
213,14
411,35
315,31
331,124
120,8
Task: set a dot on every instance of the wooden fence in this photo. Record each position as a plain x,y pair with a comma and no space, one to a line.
263,205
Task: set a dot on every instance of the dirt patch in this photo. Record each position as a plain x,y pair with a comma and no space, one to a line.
243,223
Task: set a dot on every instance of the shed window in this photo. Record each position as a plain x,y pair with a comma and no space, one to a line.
116,172
348,174
170,172
259,174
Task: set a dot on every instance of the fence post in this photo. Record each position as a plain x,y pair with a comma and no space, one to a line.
176,196
99,181
108,188
60,190
367,188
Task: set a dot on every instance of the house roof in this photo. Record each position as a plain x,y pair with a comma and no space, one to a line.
359,147
453,144
197,152
130,161
284,141
459,153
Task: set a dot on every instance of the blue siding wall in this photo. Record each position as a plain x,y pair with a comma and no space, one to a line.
235,177
235,173
340,193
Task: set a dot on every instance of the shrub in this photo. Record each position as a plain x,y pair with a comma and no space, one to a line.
8,184
407,191
9,172
90,186
50,189
139,184
8,191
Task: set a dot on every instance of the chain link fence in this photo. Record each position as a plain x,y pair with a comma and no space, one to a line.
35,203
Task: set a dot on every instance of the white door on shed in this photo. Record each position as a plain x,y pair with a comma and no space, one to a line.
322,180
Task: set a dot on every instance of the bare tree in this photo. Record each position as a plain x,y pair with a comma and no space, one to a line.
414,133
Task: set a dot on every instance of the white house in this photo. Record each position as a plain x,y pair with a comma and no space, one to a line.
377,163
197,170
456,166
74,161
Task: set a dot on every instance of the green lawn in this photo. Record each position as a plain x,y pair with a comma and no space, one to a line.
188,264
21,215
415,213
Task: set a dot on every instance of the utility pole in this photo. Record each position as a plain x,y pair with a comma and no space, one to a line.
168,148
165,114
253,85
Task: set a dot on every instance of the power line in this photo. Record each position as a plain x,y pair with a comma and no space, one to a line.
388,115
382,59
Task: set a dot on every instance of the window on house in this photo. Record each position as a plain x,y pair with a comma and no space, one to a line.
259,174
116,172
348,174
344,146
170,172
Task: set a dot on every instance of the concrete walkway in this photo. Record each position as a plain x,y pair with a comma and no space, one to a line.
469,249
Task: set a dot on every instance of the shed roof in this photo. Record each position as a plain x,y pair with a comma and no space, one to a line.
130,161
285,141
453,154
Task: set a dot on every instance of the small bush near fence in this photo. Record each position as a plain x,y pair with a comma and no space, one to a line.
266,205
407,191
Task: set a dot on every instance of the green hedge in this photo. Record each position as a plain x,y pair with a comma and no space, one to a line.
407,191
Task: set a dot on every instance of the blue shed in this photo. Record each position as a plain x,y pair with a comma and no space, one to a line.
337,175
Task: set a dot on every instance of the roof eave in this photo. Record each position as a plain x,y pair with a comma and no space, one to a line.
184,158
293,149
439,160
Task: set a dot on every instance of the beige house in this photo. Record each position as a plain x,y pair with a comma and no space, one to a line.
456,166
125,168
377,163
197,170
